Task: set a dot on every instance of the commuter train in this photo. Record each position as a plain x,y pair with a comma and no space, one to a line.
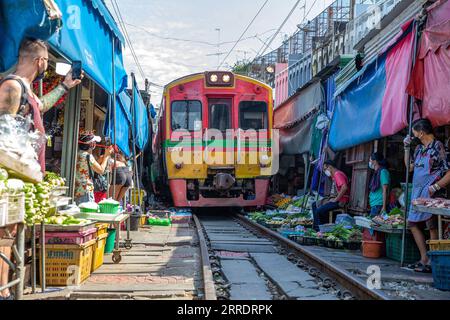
214,139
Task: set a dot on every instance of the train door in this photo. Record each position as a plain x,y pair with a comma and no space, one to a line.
219,120
252,135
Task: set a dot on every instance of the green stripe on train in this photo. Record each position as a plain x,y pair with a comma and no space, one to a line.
217,143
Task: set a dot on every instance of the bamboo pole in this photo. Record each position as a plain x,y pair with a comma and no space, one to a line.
408,153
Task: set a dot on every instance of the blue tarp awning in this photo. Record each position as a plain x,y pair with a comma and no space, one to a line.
123,121
141,126
87,35
19,19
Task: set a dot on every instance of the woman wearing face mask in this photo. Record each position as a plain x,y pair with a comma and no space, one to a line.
431,176
84,185
341,184
379,185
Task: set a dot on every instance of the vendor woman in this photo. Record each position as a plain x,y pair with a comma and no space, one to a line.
379,185
431,177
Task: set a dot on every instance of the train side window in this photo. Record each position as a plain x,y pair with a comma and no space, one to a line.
220,114
253,115
186,115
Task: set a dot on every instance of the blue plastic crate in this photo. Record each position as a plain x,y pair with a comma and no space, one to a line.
286,234
440,264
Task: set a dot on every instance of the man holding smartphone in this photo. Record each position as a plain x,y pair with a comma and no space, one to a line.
16,96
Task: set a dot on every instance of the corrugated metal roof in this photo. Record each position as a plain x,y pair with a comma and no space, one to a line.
385,35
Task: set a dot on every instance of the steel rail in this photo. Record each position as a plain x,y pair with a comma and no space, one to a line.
208,282
356,286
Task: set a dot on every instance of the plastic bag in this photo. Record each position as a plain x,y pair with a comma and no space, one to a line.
17,139
345,219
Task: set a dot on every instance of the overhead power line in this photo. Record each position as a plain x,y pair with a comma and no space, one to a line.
243,33
264,47
195,41
127,38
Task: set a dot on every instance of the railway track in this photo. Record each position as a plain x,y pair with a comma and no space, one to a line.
242,260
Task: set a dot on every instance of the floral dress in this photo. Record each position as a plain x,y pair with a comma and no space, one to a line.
84,186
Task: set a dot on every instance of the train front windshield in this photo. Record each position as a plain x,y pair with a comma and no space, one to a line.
253,115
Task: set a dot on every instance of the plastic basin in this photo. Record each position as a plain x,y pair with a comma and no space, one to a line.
372,249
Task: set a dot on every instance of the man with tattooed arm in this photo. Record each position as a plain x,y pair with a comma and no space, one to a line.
16,96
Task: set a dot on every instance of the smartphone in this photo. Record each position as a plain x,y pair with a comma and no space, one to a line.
76,70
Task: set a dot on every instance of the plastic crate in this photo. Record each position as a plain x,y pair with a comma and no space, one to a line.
16,209
440,264
67,264
181,218
352,245
324,228
102,228
300,239
394,248
439,245
363,222
99,251
286,234
309,241
164,214
70,237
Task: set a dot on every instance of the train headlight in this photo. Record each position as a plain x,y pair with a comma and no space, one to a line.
214,78
226,78
179,166
219,79
264,161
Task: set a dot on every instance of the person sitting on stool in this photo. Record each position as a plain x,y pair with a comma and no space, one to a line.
340,181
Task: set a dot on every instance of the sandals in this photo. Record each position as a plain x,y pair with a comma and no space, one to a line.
414,266
420,267
423,269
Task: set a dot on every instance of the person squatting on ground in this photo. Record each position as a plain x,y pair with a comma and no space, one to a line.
341,184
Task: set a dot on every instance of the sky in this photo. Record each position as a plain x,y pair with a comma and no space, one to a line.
174,38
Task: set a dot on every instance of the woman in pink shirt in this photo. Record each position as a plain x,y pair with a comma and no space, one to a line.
341,184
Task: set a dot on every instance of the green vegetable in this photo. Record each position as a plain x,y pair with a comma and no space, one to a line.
3,174
15,186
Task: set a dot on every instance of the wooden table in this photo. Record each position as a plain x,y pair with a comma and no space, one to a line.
442,213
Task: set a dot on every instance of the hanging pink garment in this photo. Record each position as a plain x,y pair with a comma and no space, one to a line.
430,80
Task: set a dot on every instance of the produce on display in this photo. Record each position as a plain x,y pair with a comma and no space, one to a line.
54,180
394,221
432,203
14,186
3,174
65,221
3,179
